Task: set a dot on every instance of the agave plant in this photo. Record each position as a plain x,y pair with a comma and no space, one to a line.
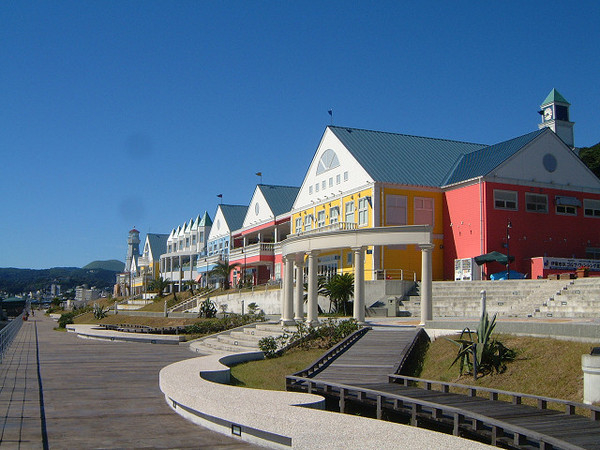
482,354
99,311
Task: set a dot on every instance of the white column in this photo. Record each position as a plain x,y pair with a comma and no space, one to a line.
426,276
299,297
312,317
359,284
276,235
287,309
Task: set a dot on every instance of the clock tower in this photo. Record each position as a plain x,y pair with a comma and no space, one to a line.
555,115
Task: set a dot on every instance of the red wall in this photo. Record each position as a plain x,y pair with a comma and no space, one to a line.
532,234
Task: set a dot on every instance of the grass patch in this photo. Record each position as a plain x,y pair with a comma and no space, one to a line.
270,373
136,320
543,366
158,304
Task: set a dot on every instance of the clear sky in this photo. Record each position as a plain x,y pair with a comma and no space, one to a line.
116,114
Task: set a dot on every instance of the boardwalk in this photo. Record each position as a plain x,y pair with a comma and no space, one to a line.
372,358
91,394
364,365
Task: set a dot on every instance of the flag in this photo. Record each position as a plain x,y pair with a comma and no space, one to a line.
330,112
220,195
259,174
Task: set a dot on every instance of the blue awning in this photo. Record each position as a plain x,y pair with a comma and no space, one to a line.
568,201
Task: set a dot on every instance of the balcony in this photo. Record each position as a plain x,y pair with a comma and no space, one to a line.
260,249
339,226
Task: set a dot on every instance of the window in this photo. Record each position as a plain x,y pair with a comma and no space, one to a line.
181,245
346,176
338,179
201,239
349,208
363,211
349,259
330,181
328,160
187,242
310,189
566,210
395,209
505,200
591,208
194,239
324,185
308,223
423,211
169,248
299,225
567,205
317,187
536,202
321,219
334,214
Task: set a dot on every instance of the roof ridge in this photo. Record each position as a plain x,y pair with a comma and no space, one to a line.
406,135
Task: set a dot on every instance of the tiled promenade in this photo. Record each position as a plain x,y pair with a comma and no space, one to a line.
59,391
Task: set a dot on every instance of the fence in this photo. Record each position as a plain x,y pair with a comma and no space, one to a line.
8,333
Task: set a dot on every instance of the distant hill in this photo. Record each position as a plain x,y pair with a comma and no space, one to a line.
17,281
112,264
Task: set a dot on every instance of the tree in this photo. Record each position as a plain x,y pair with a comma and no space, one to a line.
591,158
223,270
341,289
158,285
190,285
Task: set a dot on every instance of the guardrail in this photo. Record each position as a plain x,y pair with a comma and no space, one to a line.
516,397
335,351
498,431
8,333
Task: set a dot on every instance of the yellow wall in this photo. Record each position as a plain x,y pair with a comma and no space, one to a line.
392,260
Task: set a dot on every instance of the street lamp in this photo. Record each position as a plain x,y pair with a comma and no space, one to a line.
508,227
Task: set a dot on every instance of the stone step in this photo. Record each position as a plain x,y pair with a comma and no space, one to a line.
216,344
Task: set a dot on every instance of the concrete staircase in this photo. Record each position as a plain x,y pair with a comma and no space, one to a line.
239,340
512,298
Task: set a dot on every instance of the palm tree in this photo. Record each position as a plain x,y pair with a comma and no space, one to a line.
158,285
223,270
190,285
341,288
321,290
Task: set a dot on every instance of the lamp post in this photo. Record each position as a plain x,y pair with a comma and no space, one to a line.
508,227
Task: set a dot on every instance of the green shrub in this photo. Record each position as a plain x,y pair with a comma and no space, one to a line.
66,319
214,325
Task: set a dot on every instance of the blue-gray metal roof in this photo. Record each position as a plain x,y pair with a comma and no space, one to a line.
279,198
234,215
482,162
403,159
205,221
158,244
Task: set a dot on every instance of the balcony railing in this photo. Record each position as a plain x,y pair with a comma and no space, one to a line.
339,226
249,251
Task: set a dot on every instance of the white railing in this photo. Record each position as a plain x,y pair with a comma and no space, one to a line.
339,226
260,248
8,333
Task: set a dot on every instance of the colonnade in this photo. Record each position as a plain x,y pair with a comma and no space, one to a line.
293,296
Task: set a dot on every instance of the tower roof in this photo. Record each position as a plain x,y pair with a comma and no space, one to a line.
554,96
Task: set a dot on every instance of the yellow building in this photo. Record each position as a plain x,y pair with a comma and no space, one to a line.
362,179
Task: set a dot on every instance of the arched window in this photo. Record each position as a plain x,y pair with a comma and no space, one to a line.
328,161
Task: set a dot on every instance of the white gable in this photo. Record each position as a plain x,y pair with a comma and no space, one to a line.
219,227
259,210
334,166
548,160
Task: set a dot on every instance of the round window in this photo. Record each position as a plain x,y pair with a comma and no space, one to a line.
550,162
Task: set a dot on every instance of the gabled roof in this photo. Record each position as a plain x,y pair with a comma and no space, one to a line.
400,158
234,215
554,96
482,162
279,198
205,221
158,244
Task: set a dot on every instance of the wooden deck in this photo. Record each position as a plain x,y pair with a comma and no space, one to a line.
360,376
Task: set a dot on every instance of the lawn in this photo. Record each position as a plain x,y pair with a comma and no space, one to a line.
270,373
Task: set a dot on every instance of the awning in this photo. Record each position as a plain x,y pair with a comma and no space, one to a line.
568,201
493,257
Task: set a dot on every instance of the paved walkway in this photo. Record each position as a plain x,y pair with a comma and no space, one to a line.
59,391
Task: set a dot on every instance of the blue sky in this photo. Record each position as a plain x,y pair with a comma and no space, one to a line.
138,113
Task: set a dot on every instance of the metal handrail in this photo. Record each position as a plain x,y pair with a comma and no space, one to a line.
516,397
332,353
434,411
8,333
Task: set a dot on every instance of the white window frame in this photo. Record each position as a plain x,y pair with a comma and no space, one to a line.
298,225
532,203
593,206
308,222
363,212
349,211
310,190
346,176
334,214
338,179
394,198
566,210
321,219
501,203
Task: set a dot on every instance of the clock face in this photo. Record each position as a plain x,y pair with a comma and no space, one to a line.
548,114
